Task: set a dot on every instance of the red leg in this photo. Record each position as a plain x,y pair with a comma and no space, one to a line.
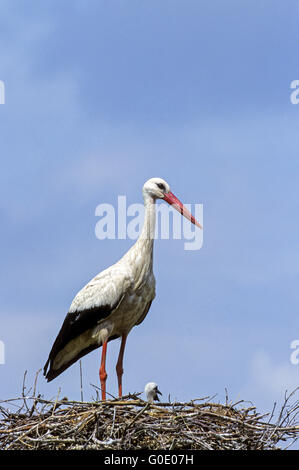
103,373
119,365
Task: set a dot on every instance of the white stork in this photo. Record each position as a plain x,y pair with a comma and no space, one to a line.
115,300
151,390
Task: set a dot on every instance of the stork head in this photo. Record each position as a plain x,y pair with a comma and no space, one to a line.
157,188
151,390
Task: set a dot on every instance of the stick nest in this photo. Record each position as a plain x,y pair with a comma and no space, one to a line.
131,424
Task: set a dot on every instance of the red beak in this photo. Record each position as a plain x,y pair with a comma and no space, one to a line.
176,203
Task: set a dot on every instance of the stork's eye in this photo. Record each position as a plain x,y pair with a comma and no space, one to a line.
161,186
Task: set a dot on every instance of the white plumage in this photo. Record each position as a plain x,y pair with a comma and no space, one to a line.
115,300
151,391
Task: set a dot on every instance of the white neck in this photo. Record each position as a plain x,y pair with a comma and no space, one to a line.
142,250
148,229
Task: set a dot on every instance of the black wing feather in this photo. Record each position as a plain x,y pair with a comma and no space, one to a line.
75,323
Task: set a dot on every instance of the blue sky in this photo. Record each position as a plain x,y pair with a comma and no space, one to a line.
101,96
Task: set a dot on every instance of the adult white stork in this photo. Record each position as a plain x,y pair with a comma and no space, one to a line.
115,300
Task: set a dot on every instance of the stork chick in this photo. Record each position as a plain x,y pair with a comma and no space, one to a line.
151,390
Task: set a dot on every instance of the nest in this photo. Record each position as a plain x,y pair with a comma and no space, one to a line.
131,424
